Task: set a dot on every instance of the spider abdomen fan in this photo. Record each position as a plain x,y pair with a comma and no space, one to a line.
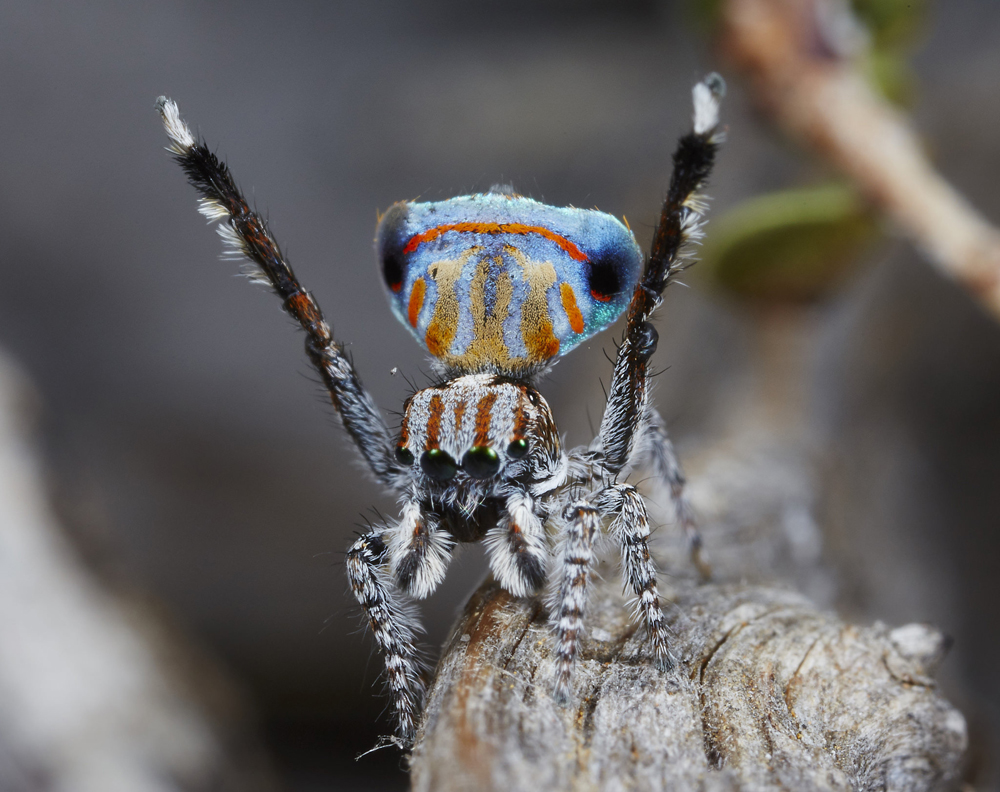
499,282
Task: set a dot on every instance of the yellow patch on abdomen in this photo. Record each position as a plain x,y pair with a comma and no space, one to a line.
536,326
444,322
487,345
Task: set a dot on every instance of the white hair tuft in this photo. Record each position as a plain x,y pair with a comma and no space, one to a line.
180,136
212,209
706,95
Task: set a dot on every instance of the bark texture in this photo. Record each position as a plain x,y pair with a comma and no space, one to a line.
770,692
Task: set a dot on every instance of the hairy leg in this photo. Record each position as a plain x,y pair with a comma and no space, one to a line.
393,627
583,522
630,526
246,235
679,226
659,452
419,551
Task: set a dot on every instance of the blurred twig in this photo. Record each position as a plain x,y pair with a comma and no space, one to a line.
805,60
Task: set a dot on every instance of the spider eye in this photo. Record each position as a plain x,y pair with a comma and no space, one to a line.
481,462
438,465
604,279
403,455
517,448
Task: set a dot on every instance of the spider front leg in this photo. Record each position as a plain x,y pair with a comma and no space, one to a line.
413,555
680,225
246,235
659,452
630,526
394,629
628,413
583,522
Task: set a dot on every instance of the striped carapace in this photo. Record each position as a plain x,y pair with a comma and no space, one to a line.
496,286
475,425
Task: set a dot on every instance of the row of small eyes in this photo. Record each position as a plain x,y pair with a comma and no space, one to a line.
480,462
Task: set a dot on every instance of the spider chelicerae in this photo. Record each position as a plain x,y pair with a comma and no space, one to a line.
496,286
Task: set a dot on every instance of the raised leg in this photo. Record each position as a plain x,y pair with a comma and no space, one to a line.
583,522
517,547
679,226
630,526
246,235
659,451
393,627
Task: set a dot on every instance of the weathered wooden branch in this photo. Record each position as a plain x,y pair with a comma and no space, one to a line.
770,693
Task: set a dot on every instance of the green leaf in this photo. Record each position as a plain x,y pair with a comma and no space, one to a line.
793,245
892,24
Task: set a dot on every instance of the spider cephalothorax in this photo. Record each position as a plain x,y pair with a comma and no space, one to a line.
496,286
478,449
463,436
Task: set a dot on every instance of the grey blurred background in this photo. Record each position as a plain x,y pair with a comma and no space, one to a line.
191,452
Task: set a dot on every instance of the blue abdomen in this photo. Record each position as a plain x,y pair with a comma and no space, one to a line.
502,283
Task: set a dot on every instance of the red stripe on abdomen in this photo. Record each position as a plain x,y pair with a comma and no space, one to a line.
494,228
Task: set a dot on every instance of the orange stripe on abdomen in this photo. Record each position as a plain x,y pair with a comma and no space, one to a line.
494,228
417,301
571,308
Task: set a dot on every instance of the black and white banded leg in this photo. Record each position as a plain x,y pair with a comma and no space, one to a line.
583,521
680,226
245,235
393,627
517,547
620,440
659,452
630,527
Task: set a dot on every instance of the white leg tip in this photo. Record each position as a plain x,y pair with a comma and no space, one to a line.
180,136
707,95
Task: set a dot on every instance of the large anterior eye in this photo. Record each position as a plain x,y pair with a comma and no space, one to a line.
481,462
438,464
604,278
